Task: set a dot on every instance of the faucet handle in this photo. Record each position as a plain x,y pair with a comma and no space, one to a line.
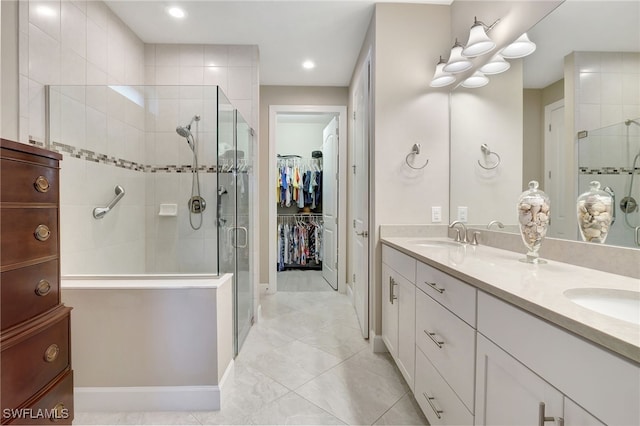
474,238
458,239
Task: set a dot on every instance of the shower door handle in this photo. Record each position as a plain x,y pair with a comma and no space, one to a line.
234,241
246,236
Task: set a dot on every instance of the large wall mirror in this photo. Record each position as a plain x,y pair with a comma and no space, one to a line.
566,115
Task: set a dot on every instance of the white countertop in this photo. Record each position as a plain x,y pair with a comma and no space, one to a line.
535,288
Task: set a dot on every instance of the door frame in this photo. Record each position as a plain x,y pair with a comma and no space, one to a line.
341,112
549,151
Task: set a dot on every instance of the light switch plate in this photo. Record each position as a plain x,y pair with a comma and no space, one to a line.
436,214
463,213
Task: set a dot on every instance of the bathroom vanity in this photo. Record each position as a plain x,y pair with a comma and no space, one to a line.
484,339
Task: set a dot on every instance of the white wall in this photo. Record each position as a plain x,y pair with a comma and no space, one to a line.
299,138
491,115
9,70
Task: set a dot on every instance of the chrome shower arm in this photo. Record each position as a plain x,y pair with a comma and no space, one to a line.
100,212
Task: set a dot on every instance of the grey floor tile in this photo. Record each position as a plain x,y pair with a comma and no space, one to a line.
107,418
292,409
168,418
404,412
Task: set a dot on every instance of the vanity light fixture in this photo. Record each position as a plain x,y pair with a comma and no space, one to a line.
496,65
176,12
441,78
479,42
478,79
457,63
519,48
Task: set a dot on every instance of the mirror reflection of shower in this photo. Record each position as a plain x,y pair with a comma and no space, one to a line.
629,204
196,203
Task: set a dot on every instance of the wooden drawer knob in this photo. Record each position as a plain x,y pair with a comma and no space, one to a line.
52,352
59,412
43,288
42,184
42,233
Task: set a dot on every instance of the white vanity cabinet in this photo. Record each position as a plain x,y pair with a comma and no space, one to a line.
528,361
398,310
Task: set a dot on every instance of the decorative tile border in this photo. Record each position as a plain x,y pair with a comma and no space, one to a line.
607,170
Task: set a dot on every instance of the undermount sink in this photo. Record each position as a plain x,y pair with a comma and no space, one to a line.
437,244
621,304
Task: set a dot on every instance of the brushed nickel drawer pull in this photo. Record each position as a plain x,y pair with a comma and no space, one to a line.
42,233
392,283
438,343
59,412
43,288
430,400
52,352
42,184
435,287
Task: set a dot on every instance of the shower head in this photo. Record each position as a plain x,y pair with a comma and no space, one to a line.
185,131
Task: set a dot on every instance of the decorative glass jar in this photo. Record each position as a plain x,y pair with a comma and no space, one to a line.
533,217
595,213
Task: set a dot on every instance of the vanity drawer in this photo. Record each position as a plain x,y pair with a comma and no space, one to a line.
58,397
449,343
30,364
22,182
27,292
458,297
400,262
28,234
436,399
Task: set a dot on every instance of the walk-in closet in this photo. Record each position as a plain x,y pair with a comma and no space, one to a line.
306,147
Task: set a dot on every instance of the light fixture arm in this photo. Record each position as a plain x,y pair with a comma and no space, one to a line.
486,27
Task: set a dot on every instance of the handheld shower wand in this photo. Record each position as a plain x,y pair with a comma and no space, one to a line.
185,132
196,203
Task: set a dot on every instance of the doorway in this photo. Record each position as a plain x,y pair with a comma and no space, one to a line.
307,213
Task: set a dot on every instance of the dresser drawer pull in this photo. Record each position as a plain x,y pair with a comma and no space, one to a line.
438,343
435,287
42,233
52,352
42,184
430,400
43,288
59,412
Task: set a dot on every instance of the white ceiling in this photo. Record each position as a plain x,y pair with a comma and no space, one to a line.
331,32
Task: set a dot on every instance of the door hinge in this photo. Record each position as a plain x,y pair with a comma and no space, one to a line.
337,176
549,127
337,131
354,169
354,223
354,115
336,220
354,278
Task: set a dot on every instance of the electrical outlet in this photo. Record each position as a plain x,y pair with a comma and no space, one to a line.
463,213
436,214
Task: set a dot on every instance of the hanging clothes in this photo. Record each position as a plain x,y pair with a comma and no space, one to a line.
299,182
299,241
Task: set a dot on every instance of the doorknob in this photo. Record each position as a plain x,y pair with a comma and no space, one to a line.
364,234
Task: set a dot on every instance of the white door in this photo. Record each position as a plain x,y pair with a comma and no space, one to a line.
360,228
555,182
330,203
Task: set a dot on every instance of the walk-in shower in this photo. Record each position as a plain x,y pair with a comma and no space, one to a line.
611,155
126,136
196,203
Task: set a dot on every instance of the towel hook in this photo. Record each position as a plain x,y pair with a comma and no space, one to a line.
487,152
415,150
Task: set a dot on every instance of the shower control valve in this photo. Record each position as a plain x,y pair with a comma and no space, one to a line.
197,204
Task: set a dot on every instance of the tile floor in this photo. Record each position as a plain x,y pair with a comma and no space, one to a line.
305,363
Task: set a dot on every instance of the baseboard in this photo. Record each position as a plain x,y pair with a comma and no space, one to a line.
350,292
378,344
147,398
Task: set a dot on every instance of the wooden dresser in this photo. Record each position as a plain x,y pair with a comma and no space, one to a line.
36,380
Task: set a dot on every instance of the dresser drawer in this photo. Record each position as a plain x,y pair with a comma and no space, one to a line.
58,399
27,292
449,343
30,364
28,234
22,182
436,399
458,297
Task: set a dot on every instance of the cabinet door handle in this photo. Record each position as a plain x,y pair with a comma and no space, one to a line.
430,400
438,343
435,287
392,283
43,288
542,418
42,233
42,184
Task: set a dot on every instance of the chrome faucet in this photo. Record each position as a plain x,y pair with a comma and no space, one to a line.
495,222
458,238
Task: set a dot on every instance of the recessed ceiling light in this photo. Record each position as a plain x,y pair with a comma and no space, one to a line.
176,12
45,11
308,65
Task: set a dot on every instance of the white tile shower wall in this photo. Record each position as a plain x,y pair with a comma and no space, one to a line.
84,43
